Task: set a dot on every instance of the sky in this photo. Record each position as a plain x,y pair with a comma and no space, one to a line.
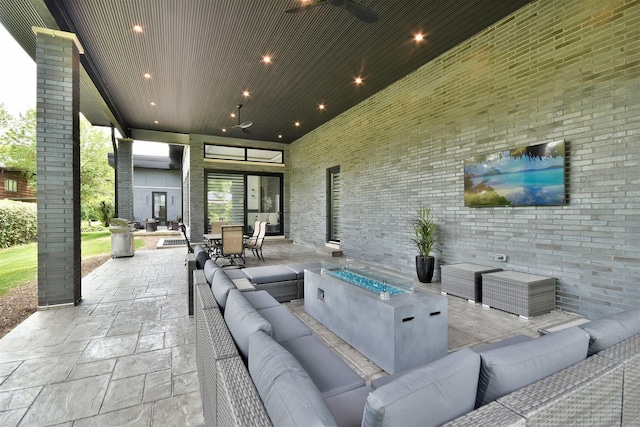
17,80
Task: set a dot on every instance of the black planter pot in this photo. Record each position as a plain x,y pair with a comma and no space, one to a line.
424,268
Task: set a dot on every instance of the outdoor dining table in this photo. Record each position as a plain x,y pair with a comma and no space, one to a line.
212,241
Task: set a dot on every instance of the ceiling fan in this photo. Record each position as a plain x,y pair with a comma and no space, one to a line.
363,13
244,126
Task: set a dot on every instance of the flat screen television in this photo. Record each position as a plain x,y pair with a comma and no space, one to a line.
532,175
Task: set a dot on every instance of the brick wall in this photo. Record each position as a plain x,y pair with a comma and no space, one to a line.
553,70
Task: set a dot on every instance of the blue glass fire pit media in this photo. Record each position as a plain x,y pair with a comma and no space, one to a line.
366,283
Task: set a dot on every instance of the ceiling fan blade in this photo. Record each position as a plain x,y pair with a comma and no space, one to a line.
363,13
243,125
306,7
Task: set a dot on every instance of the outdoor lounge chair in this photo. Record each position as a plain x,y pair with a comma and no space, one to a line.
232,245
255,243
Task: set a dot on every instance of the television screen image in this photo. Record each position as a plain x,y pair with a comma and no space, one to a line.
532,175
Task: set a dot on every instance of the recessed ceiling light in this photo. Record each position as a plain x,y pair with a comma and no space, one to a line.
321,107
266,59
246,93
233,115
280,136
137,28
156,122
297,124
224,130
147,75
358,80
418,37
153,104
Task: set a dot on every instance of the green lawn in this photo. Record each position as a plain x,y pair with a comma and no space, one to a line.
19,264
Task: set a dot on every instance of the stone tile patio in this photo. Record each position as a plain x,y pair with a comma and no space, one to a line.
126,354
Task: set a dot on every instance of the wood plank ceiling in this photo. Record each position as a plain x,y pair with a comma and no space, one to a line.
202,55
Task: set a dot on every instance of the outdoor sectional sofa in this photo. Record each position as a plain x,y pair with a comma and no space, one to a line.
258,364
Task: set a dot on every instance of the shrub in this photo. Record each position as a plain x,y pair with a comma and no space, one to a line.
105,213
18,223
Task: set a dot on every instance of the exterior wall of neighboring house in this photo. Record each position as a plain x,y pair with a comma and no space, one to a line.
147,181
13,186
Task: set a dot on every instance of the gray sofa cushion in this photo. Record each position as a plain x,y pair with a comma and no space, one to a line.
221,285
261,300
510,368
288,394
348,407
609,331
269,274
379,382
210,267
327,370
427,396
243,320
285,325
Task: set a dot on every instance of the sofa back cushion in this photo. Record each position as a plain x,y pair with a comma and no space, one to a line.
427,396
221,285
201,257
243,320
210,268
510,368
288,394
610,330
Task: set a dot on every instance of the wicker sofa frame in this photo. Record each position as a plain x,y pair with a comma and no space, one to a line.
603,389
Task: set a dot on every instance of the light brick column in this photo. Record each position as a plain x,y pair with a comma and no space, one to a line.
58,166
197,190
124,178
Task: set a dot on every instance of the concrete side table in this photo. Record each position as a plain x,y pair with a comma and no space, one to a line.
523,294
464,280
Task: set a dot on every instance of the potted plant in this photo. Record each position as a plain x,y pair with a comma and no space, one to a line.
424,237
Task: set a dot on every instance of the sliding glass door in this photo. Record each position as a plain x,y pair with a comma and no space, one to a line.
241,198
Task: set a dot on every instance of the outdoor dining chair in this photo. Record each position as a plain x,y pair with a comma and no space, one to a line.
216,228
232,244
255,243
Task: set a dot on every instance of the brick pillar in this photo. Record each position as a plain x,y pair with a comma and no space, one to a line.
58,165
124,178
197,191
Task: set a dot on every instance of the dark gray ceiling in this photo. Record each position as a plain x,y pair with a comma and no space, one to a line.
202,54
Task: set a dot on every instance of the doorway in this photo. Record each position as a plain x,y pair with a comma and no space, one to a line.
159,207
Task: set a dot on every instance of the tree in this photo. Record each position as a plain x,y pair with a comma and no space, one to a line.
18,150
96,176
18,142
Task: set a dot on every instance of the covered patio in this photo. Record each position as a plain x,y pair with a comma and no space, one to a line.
126,354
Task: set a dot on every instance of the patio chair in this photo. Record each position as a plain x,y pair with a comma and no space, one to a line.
183,229
256,230
232,245
255,244
216,228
